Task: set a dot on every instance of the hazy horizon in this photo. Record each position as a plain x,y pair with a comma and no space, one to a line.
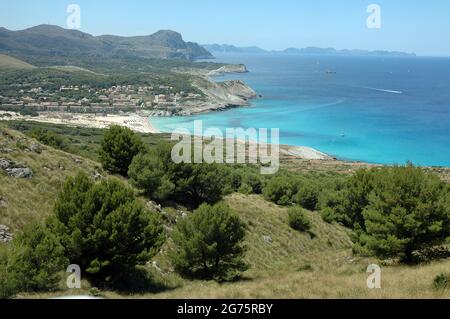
272,25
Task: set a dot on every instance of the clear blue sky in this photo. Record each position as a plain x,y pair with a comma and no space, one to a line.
414,26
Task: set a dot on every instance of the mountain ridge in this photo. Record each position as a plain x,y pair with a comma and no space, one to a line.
50,40
226,48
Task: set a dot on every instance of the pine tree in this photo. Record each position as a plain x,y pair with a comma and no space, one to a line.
209,244
118,148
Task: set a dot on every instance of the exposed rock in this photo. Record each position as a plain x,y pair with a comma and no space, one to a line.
230,68
3,202
22,172
267,239
16,170
228,93
152,206
4,164
96,175
35,147
6,150
5,235
77,160
155,265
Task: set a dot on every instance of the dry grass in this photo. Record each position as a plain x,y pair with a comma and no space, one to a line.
32,199
318,264
8,63
295,266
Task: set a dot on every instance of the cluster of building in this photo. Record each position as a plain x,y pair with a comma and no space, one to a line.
98,100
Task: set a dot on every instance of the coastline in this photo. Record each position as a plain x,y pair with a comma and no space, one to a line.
134,121
140,124
307,158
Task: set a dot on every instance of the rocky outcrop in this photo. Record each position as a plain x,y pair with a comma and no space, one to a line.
229,68
15,169
5,235
222,95
35,147
217,95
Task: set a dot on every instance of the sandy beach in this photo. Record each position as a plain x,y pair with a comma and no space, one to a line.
140,124
135,122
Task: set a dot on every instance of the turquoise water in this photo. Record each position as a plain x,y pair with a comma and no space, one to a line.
378,110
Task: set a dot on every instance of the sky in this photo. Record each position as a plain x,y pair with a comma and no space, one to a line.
422,27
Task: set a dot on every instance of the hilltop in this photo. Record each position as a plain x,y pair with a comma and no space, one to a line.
51,41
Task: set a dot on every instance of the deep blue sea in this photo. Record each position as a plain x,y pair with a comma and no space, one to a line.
373,109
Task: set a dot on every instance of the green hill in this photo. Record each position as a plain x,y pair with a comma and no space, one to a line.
8,63
284,263
52,41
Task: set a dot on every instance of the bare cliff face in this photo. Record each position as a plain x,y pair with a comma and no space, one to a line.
233,93
217,95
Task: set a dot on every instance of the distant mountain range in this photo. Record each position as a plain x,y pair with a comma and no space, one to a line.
225,48
49,40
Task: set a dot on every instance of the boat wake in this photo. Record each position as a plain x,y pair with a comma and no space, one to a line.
383,90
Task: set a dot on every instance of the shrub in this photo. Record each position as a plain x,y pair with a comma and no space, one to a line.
37,259
104,228
8,283
442,281
48,138
118,148
209,244
190,184
253,182
298,219
408,211
329,215
307,196
280,190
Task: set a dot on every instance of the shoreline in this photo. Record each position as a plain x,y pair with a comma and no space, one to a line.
134,121
141,124
312,158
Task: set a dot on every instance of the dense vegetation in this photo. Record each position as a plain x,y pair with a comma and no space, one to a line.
191,184
401,211
51,80
104,229
391,212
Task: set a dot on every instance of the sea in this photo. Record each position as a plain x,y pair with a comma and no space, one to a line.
385,110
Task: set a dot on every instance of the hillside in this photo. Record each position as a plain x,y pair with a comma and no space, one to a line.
8,63
53,41
284,263
26,199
